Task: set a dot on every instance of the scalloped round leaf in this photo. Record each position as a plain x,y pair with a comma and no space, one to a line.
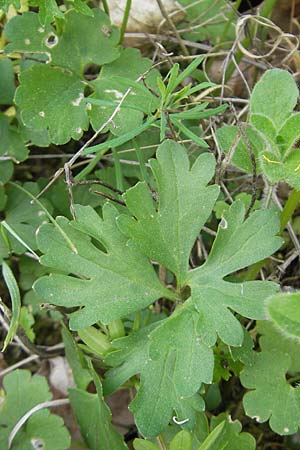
284,312
99,45
26,34
271,397
23,392
53,99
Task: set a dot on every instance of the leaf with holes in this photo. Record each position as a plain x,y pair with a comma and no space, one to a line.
22,393
100,45
59,109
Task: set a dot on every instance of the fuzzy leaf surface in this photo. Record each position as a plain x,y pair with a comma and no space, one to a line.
23,392
108,283
272,339
284,312
166,232
235,247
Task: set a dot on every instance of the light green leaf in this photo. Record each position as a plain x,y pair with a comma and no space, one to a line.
23,392
167,232
284,312
272,397
27,321
59,109
74,355
96,341
48,11
81,7
111,284
142,444
14,293
95,426
182,441
275,96
235,247
226,435
4,4
111,85
99,46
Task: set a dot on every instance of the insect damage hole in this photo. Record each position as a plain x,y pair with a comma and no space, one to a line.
51,40
37,444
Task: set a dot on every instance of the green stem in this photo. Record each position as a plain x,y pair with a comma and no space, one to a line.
105,7
289,208
124,21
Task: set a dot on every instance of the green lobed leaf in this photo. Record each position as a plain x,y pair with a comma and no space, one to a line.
99,46
23,392
111,284
94,419
226,435
59,109
284,312
271,397
182,441
235,247
172,353
166,232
